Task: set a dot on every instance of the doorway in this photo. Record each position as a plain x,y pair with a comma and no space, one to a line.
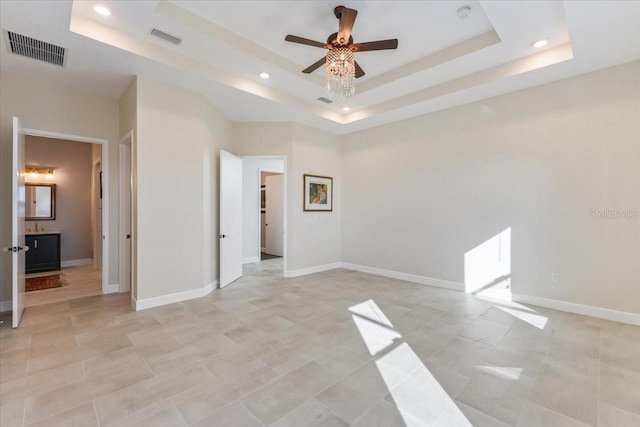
271,215
77,167
249,215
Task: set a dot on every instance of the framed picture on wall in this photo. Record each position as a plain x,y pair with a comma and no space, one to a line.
318,193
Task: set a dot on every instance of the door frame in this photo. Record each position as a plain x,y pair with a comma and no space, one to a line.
96,202
284,197
285,202
106,288
126,189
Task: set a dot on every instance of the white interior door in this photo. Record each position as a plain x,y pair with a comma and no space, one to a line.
125,217
17,229
274,188
230,232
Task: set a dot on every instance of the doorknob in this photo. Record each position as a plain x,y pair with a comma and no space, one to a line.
221,236
128,236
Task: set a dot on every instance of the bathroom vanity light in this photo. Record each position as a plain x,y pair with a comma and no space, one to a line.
39,170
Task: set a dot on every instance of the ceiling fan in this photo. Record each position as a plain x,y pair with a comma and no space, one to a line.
343,39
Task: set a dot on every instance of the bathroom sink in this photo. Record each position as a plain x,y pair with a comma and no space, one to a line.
43,232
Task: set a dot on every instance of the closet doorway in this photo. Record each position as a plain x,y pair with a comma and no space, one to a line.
271,215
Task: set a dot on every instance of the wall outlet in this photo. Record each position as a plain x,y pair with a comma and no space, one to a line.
554,277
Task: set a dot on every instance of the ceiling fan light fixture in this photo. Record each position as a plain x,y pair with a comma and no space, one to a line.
341,72
264,75
346,109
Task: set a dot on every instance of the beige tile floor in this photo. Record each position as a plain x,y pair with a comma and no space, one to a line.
79,282
331,349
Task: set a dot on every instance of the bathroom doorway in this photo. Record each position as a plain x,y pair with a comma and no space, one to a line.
66,259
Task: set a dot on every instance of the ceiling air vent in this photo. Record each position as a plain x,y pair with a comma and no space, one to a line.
325,100
164,36
36,49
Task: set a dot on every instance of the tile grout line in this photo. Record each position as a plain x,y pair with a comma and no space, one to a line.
372,359
24,412
252,414
217,410
283,375
95,411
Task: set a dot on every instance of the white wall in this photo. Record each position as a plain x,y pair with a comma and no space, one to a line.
177,165
72,176
313,238
251,203
316,235
44,106
420,194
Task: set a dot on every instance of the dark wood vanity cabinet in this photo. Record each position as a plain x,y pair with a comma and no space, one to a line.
43,253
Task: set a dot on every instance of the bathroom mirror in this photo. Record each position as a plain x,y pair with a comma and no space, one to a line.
40,202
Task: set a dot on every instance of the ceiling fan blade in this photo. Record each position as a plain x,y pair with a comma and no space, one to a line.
302,40
315,65
347,19
359,71
377,45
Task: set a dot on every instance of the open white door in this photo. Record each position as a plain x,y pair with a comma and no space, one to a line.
125,192
274,188
230,218
18,247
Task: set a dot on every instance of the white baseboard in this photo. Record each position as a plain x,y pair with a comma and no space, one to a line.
251,260
311,270
422,280
113,288
76,262
587,310
5,306
142,304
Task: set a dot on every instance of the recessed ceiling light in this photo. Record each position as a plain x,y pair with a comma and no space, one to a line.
540,43
264,75
102,10
346,109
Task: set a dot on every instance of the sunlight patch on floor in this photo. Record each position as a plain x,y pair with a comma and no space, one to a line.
416,393
508,373
525,314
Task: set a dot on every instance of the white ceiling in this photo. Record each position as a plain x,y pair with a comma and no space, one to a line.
442,61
